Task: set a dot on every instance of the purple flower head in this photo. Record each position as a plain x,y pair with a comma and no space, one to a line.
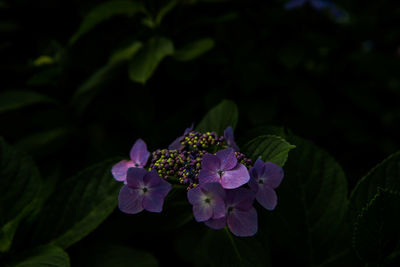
229,138
176,144
265,177
224,169
240,215
208,201
144,190
139,156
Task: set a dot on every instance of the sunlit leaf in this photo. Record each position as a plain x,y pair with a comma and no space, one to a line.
219,117
144,63
194,49
270,148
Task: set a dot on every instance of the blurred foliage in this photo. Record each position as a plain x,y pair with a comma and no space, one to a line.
81,80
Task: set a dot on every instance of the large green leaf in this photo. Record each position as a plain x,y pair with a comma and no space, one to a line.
224,249
385,175
376,230
144,63
78,206
20,183
110,255
44,256
270,148
312,202
105,11
219,117
194,49
12,100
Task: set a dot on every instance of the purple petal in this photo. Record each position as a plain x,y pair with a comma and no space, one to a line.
176,144
120,169
266,196
214,189
153,199
195,195
235,177
257,169
139,153
216,223
228,159
294,4
134,177
210,162
240,198
230,139
188,130
319,4
129,200
152,179
219,208
253,184
206,176
243,223
273,175
202,212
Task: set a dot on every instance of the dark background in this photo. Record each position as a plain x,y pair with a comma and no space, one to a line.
335,83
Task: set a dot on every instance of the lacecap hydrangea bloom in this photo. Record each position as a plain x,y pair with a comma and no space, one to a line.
222,183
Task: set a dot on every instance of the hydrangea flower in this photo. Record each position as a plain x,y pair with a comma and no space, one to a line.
208,201
240,215
265,177
144,190
229,138
176,144
224,169
139,156
317,5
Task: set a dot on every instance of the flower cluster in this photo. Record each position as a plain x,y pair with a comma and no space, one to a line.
222,183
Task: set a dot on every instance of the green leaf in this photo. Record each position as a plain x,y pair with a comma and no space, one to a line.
270,148
165,10
126,53
44,256
219,117
105,11
144,63
224,249
312,203
13,100
78,206
376,230
43,143
384,175
110,255
20,183
194,49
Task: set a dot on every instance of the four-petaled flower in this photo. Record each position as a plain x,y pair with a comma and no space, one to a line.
229,138
139,156
208,201
224,169
240,215
144,190
265,177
